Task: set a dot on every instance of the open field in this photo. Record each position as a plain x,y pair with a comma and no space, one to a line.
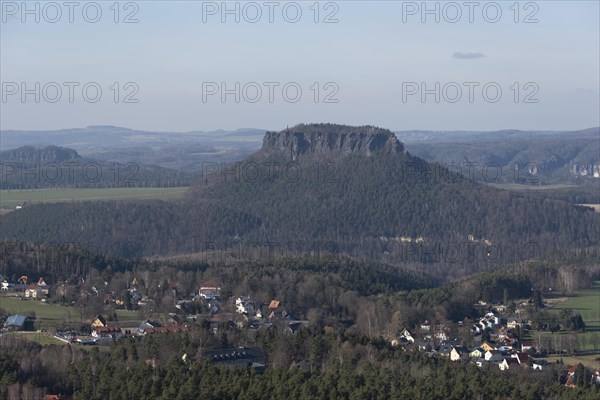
590,361
587,303
55,315
41,338
9,199
46,314
516,186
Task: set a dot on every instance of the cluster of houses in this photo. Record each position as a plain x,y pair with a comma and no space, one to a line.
114,329
244,312
502,349
39,290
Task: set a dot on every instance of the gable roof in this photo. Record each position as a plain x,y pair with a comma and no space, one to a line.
573,369
274,304
523,358
99,318
241,356
108,329
17,320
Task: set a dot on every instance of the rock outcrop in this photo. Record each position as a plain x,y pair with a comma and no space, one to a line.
327,141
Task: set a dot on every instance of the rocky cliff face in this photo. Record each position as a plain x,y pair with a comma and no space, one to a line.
325,141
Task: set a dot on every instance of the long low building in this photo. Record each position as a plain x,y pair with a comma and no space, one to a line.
237,357
15,322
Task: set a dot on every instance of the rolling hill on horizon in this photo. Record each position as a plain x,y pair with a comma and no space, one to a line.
31,167
341,189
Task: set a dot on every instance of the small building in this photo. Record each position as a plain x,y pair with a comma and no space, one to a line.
458,353
493,356
443,349
107,331
487,346
147,324
237,357
274,304
302,365
98,322
209,295
294,326
15,322
406,337
477,353
478,361
212,285
596,377
243,305
179,328
513,324
522,358
526,346
507,363
440,335
38,290
538,365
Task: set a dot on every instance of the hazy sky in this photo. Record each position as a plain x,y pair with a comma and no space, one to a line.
375,61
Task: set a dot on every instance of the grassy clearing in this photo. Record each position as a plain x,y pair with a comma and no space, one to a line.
41,338
9,199
516,186
48,315
591,361
587,303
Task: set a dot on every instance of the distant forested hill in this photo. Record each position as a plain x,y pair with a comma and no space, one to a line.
532,158
31,167
323,187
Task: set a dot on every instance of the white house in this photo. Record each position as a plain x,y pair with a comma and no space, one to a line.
407,336
457,352
493,356
243,305
507,363
477,353
512,324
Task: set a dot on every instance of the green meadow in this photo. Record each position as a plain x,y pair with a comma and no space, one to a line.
9,199
587,303
48,315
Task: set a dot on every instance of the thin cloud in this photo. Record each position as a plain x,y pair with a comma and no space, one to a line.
467,56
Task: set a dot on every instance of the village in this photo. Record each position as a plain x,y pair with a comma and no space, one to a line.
490,341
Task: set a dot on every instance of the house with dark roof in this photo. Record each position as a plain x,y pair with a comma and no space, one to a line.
98,322
507,363
457,353
237,357
107,331
493,356
213,285
522,358
294,326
